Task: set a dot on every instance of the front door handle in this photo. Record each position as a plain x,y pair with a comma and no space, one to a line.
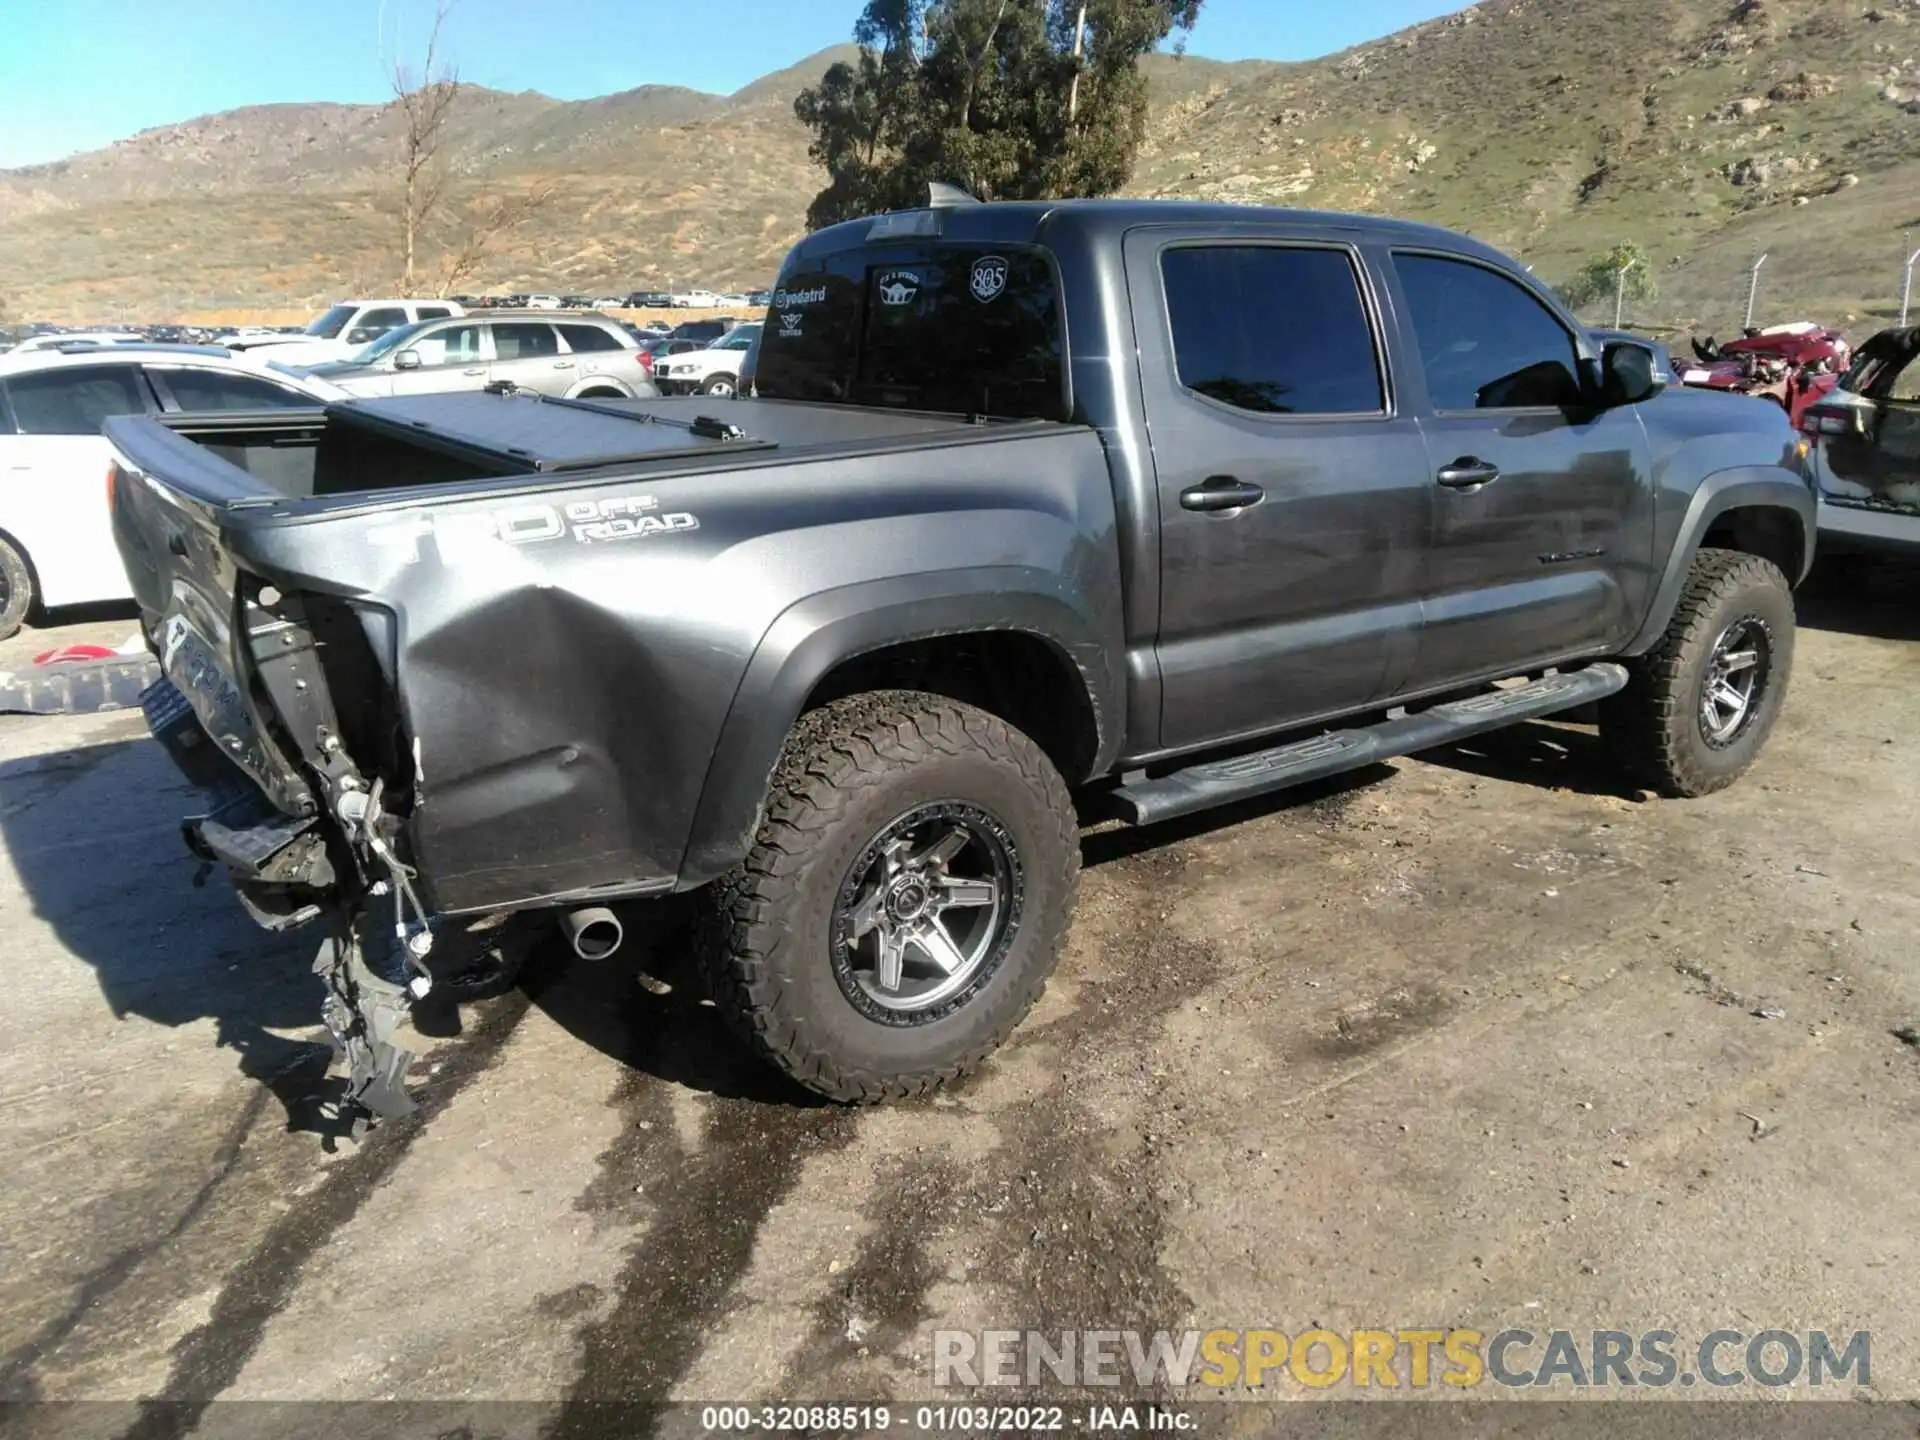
1467,472
477,370
563,364
1220,492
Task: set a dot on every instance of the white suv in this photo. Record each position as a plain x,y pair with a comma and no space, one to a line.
56,533
712,371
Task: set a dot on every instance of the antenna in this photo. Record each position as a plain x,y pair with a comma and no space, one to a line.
942,196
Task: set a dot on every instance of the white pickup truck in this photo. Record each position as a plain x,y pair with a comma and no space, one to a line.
345,329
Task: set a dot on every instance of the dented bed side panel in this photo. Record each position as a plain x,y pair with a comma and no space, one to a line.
566,661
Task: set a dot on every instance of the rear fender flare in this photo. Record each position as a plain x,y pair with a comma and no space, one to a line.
814,636
1743,486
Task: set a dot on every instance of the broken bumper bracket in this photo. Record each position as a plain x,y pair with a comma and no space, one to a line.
364,1011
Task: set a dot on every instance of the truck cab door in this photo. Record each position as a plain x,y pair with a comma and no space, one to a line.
1294,501
1543,525
1895,457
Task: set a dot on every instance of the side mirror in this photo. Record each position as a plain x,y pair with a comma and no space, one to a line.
407,360
362,336
1629,373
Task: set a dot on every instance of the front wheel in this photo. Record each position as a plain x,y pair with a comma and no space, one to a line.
720,385
16,590
905,898
1700,704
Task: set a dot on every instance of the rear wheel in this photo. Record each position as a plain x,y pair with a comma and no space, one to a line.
905,898
1700,704
602,392
16,590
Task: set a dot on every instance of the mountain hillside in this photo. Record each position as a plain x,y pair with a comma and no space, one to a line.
1706,130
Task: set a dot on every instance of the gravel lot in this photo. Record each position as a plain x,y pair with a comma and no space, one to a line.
1474,1039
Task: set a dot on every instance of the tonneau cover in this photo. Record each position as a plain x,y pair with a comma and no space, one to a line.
538,434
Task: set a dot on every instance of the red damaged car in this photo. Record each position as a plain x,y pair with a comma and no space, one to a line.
1791,365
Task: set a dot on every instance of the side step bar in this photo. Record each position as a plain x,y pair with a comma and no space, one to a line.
1217,782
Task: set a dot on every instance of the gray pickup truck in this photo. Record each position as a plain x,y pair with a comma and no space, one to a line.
1147,507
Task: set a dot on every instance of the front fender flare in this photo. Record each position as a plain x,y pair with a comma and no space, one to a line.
1758,486
813,636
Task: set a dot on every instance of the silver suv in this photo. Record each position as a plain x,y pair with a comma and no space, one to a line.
585,355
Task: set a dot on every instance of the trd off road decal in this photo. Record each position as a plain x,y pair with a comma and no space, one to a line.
989,278
473,534
899,287
791,322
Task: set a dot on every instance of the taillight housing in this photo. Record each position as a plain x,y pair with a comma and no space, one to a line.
1828,420
646,361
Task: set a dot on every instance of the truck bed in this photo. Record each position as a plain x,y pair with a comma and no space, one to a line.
530,619
473,441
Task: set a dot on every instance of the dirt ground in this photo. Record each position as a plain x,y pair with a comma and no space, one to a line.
1472,1040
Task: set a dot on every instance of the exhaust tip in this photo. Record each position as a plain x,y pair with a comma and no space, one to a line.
594,933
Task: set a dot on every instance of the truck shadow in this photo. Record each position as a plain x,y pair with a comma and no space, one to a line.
1872,596
1550,754
647,1006
92,833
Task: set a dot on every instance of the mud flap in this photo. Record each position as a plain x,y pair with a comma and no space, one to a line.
364,1012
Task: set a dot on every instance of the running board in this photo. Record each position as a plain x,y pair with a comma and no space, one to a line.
1217,782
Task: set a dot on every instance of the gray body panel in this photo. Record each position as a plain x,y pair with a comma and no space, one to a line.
596,712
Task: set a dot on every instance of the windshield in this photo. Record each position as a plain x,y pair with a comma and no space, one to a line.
329,325
390,341
966,329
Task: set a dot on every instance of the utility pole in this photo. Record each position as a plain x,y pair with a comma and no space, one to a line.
1079,50
1753,288
1906,286
1620,292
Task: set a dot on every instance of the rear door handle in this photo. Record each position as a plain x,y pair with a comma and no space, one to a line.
1220,492
477,370
1467,472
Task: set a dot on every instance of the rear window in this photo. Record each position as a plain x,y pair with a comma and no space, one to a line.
963,329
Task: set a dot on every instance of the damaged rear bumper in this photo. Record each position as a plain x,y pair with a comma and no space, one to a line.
290,871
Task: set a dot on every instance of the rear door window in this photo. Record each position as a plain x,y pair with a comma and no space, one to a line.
75,400
523,340
1486,343
1276,330
957,328
584,338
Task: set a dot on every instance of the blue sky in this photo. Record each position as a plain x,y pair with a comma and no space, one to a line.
77,74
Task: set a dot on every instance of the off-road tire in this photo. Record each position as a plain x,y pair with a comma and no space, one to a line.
1653,727
16,590
848,769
